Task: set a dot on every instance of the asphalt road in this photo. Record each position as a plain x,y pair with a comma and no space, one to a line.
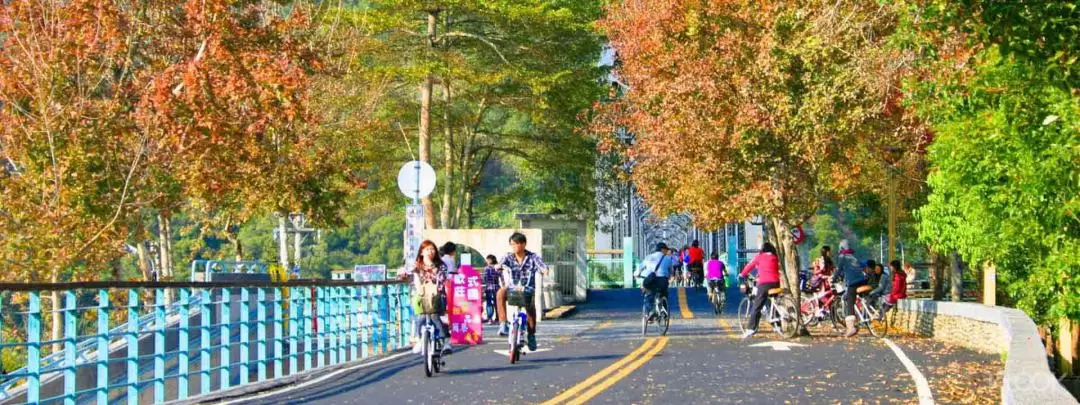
600,356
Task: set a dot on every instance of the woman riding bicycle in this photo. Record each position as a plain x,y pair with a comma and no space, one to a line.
429,279
768,277
715,273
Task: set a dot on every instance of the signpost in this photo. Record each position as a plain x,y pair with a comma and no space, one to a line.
416,180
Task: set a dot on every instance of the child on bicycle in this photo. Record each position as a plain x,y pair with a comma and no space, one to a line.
429,280
493,281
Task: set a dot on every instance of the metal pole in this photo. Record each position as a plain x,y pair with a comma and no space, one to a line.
893,209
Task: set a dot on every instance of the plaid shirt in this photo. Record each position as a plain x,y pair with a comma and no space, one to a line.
492,278
524,273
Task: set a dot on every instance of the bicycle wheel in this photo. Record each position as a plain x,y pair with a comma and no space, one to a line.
810,310
644,323
836,312
744,314
878,327
789,316
663,318
515,346
429,359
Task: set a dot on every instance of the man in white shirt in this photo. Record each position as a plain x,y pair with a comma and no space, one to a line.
658,263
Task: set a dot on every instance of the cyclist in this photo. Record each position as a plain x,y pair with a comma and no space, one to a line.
429,280
676,265
768,277
715,273
522,266
884,286
823,269
697,262
848,270
657,264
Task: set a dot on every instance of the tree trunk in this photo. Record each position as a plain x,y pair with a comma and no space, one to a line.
425,124
937,276
789,254
956,278
448,161
57,317
283,244
165,264
144,261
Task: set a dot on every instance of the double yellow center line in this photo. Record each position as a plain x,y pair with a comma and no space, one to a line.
684,307
604,379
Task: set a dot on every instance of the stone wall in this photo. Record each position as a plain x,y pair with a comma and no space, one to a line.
987,329
980,336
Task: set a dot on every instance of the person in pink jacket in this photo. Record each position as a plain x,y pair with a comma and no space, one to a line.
768,277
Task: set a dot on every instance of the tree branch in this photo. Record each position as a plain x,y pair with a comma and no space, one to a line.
478,38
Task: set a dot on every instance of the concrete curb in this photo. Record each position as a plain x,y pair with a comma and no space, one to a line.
561,312
1027,379
274,384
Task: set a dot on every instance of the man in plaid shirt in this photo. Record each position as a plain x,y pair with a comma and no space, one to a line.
522,266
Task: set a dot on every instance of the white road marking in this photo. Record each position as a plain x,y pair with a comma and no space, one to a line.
779,346
320,379
921,385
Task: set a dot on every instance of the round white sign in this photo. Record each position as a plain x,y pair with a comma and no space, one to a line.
416,179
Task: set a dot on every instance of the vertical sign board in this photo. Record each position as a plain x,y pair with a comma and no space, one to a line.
414,229
466,305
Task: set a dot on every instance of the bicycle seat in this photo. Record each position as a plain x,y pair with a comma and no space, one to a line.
776,291
864,289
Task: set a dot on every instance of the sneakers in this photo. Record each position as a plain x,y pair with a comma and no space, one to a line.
531,343
504,329
447,349
748,334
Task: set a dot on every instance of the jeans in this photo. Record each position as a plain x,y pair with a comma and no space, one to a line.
849,297
489,303
659,288
440,328
759,302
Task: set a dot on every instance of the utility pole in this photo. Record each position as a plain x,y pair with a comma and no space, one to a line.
299,231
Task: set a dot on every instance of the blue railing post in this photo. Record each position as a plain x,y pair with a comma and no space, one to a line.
132,337
354,322
294,330
368,337
182,343
278,330
70,336
33,348
159,345
226,322
245,333
103,348
403,313
384,317
323,324
342,326
205,314
331,324
260,334
309,326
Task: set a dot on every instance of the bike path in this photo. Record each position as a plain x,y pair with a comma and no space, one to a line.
600,356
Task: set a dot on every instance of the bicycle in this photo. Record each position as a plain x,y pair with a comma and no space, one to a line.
817,307
870,316
432,346
659,312
779,311
718,295
518,328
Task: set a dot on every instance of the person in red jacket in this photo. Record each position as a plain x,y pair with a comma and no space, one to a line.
768,277
899,287
697,263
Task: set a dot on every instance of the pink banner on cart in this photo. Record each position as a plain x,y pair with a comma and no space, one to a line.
466,306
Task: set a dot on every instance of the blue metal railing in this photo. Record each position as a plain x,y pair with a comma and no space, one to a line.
222,335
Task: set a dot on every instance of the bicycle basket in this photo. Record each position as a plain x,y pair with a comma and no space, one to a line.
517,298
